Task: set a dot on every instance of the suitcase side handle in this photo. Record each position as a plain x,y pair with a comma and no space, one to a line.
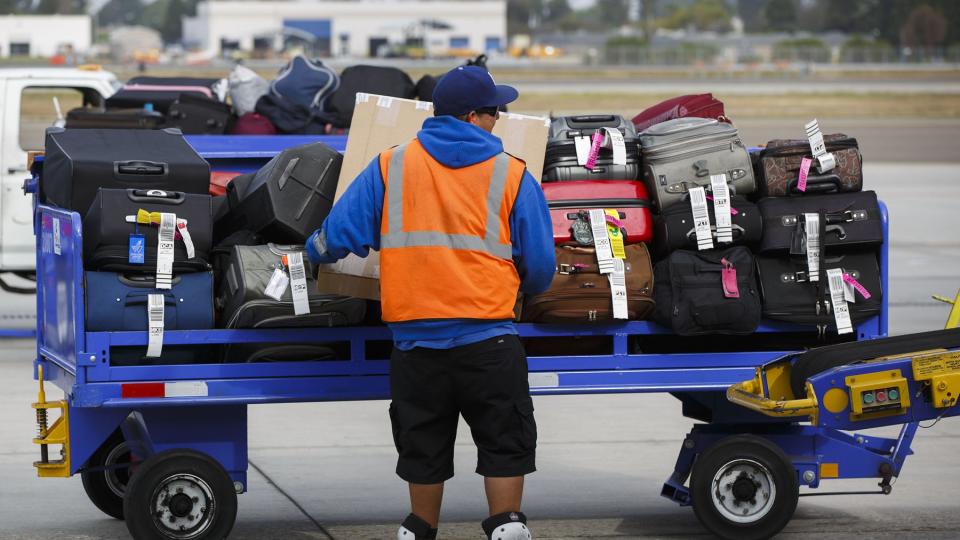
156,196
140,168
140,299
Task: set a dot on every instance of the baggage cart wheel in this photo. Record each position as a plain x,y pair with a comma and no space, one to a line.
180,495
106,485
744,487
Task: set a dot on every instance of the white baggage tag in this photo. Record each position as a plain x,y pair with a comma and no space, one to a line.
841,311
601,242
619,147
701,218
187,239
818,147
298,284
811,231
277,285
721,208
155,325
168,224
582,145
618,289
57,241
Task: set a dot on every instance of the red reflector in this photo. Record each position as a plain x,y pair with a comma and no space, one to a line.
142,390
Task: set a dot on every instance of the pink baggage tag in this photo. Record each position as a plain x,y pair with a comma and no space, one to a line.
804,171
594,150
733,211
614,221
856,285
728,276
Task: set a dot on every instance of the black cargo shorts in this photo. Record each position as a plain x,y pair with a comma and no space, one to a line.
486,382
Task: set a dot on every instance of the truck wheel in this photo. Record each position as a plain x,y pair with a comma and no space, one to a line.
744,488
180,494
106,485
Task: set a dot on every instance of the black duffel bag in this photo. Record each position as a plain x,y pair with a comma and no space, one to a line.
707,292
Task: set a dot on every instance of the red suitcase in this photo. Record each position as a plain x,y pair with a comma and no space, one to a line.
569,202
700,105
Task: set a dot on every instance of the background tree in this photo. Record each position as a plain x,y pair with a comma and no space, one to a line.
925,27
780,15
120,12
62,7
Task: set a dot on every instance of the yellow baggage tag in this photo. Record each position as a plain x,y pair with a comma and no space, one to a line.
615,234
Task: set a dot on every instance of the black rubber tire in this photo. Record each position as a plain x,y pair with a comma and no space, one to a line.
138,504
756,449
96,483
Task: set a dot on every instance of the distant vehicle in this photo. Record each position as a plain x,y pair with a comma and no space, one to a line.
31,100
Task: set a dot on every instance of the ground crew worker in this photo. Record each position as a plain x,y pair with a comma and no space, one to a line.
460,226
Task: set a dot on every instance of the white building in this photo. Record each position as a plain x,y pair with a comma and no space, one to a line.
349,28
44,35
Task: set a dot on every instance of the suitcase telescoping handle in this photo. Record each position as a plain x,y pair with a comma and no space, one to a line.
140,168
817,184
155,196
138,281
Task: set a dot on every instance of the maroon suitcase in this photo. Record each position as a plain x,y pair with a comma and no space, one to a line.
698,105
570,203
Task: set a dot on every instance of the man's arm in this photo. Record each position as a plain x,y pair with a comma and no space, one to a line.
531,234
353,225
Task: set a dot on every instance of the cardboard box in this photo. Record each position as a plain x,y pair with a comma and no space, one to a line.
380,122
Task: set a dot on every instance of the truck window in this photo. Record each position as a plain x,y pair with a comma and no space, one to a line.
37,112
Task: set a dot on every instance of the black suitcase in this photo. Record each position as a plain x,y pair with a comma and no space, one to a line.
244,304
276,352
118,302
789,295
199,116
848,220
106,231
87,118
161,92
79,162
288,198
692,298
674,229
379,80
560,163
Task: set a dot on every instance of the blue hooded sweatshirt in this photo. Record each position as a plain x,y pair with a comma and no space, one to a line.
353,226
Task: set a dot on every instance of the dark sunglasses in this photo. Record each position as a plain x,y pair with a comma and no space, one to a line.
489,111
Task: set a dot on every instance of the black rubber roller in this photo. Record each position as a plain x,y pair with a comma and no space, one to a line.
818,360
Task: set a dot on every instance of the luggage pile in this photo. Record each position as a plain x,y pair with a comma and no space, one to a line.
306,98
158,257
784,233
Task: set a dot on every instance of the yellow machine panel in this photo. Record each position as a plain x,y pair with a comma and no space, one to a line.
942,372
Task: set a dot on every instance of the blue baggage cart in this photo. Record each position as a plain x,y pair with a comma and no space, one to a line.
184,427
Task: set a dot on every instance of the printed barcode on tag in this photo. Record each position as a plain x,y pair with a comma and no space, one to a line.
298,284
155,304
841,310
165,239
701,218
601,242
721,208
812,235
618,290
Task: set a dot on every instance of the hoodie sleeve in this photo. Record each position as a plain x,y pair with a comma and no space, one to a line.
353,225
531,234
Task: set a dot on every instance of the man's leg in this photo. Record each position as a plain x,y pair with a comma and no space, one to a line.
494,397
425,500
503,494
424,417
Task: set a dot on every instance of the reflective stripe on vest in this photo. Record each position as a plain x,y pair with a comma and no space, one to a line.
490,243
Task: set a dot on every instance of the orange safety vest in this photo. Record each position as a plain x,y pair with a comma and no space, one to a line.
445,250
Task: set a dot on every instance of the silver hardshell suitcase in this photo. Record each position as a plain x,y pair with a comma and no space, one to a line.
681,154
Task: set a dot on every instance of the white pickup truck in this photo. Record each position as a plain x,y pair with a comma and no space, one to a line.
31,99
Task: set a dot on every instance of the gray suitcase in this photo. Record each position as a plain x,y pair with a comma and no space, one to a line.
241,297
681,154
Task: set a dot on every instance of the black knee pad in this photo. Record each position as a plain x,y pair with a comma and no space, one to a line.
507,526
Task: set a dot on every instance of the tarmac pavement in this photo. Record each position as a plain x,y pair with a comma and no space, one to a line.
325,470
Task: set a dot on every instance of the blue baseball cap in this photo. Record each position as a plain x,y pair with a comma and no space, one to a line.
468,88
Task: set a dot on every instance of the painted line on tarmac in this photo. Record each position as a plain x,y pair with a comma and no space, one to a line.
293,501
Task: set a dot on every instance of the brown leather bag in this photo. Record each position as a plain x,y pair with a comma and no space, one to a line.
580,293
779,167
